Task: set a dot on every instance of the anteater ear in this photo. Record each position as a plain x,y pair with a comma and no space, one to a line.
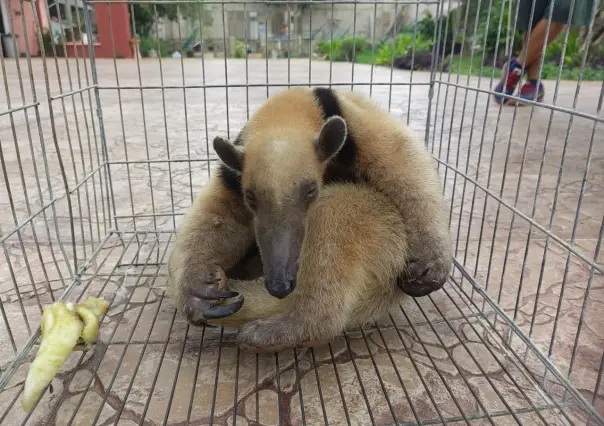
230,155
331,138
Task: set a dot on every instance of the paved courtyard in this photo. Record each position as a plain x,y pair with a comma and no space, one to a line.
524,189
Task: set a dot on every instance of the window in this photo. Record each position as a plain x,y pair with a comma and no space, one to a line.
67,21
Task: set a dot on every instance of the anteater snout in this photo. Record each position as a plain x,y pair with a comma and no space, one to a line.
281,287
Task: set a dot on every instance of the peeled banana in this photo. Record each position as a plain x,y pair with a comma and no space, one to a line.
62,329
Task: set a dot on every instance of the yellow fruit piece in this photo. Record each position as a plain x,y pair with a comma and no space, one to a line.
90,312
98,305
61,329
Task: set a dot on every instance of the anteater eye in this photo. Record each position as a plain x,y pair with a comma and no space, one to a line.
311,192
250,199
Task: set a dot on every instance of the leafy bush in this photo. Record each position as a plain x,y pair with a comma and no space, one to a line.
342,49
240,49
402,46
146,46
383,55
428,26
352,46
596,56
324,48
488,39
331,49
150,43
47,43
572,55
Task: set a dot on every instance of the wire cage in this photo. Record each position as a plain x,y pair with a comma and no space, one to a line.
101,155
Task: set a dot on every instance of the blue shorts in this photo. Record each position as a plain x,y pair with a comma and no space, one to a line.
582,12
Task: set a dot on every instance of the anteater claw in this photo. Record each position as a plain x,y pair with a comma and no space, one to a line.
221,311
202,323
213,293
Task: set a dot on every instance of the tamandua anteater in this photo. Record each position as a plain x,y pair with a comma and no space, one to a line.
353,250
298,141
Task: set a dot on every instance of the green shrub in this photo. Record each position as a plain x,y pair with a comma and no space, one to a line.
150,43
240,49
342,49
402,46
595,58
331,49
572,55
351,46
383,55
427,26
487,39
146,45
47,43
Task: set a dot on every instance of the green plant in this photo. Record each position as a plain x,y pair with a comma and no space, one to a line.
149,43
352,46
427,27
240,49
402,46
210,44
47,43
146,45
331,49
146,15
595,57
342,49
572,55
492,40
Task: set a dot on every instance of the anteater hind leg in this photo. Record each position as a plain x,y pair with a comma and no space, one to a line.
269,324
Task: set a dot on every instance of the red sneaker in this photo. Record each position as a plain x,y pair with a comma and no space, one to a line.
508,85
531,92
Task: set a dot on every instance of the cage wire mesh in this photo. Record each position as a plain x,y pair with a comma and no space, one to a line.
101,157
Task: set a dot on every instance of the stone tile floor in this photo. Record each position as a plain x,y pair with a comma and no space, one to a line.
447,358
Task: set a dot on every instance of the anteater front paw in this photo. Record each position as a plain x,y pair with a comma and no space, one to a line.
203,299
422,278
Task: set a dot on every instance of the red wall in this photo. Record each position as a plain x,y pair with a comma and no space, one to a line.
14,7
104,45
120,27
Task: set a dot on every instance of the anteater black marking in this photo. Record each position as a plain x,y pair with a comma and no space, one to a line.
341,169
230,179
343,166
239,138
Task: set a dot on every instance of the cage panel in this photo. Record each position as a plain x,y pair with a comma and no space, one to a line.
433,362
102,155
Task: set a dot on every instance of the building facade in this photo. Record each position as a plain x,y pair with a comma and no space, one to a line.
63,20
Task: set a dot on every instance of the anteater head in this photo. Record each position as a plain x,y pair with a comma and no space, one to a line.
281,174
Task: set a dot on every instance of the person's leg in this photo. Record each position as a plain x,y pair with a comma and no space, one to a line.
529,61
530,58
575,13
512,71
